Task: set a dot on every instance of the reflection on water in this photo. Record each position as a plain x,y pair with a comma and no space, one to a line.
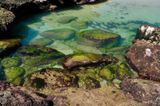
118,16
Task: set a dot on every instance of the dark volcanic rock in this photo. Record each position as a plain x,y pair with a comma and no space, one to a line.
144,91
144,57
17,96
149,33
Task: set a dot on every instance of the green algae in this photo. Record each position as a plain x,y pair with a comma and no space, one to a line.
14,74
98,38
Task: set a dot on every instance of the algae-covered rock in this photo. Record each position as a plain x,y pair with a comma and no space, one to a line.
98,38
32,58
66,19
7,45
124,71
46,80
79,24
41,42
78,60
88,83
11,62
59,34
14,74
87,78
106,74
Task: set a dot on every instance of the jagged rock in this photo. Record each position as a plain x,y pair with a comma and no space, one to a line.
8,45
149,33
6,17
144,58
78,60
18,96
144,91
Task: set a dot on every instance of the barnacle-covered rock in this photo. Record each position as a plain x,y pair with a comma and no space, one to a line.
87,59
98,38
53,79
149,33
6,17
59,34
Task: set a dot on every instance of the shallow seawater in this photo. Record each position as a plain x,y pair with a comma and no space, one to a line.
122,17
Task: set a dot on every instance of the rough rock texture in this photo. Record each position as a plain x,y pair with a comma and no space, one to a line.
6,17
149,33
144,91
7,45
107,96
144,57
18,96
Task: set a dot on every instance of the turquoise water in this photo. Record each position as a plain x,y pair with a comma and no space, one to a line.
119,16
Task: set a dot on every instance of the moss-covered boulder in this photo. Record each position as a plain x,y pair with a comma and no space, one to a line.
11,62
87,59
33,58
66,19
98,38
41,42
106,74
14,74
59,34
7,45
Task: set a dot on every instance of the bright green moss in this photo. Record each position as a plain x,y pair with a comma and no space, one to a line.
14,74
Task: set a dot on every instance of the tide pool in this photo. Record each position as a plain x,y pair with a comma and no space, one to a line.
122,17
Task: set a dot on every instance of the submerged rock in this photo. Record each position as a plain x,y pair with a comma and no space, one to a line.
78,60
66,19
59,34
42,41
144,91
17,96
29,59
8,45
144,58
98,38
149,33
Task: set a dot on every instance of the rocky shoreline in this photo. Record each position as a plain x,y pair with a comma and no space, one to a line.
43,76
